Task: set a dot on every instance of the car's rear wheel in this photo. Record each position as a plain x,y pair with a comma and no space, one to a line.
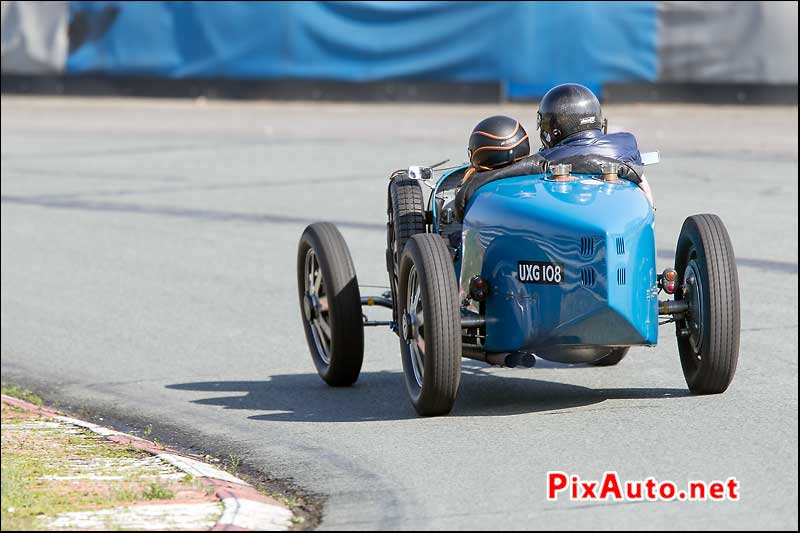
708,336
331,304
616,355
430,325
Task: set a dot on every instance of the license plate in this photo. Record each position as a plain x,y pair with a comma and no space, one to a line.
540,272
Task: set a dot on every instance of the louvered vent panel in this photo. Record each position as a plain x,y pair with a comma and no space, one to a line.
588,277
620,246
587,246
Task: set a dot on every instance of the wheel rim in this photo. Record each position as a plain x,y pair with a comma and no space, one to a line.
315,306
693,294
414,326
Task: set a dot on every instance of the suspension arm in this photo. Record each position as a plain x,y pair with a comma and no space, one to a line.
380,301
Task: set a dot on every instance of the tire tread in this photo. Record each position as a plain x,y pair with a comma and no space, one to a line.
443,324
408,209
722,320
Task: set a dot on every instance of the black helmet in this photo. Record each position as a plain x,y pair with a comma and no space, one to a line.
497,141
565,110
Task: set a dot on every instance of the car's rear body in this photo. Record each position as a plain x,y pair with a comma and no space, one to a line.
571,266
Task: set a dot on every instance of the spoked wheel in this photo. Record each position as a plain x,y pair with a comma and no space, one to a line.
616,355
430,324
708,335
414,326
331,304
315,307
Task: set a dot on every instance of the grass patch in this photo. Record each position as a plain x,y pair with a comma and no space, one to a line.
26,498
12,487
49,468
233,464
157,492
22,394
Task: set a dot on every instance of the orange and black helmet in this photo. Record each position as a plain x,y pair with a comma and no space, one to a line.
496,142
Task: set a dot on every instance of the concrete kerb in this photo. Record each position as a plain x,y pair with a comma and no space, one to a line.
244,508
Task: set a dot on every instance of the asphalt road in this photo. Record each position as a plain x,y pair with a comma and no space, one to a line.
148,251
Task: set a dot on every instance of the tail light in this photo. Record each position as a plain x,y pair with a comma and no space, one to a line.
478,288
669,280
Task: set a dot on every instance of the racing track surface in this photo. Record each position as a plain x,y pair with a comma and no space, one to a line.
148,255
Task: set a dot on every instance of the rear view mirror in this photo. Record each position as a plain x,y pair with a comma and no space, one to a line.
650,158
420,173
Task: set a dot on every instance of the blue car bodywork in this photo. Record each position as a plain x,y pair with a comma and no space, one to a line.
598,238
545,259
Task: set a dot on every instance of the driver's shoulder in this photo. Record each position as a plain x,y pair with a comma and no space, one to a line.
619,138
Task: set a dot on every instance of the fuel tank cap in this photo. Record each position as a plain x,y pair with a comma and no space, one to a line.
610,171
561,171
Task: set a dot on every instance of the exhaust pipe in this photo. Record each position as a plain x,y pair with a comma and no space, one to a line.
506,359
514,359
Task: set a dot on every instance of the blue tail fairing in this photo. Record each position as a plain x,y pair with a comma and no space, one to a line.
600,233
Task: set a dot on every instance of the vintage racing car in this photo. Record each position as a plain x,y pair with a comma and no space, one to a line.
558,264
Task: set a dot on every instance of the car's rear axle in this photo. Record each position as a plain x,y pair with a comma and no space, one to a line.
676,308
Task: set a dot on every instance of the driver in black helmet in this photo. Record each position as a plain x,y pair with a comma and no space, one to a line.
571,123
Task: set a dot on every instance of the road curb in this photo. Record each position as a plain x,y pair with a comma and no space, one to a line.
244,508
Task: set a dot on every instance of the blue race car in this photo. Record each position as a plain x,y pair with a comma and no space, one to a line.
559,265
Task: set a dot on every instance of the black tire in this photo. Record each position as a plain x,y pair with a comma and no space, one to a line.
407,212
616,355
433,390
708,337
337,356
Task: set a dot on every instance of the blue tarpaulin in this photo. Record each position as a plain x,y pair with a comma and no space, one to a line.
529,46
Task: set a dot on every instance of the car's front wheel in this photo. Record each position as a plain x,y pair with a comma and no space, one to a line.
430,324
331,304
